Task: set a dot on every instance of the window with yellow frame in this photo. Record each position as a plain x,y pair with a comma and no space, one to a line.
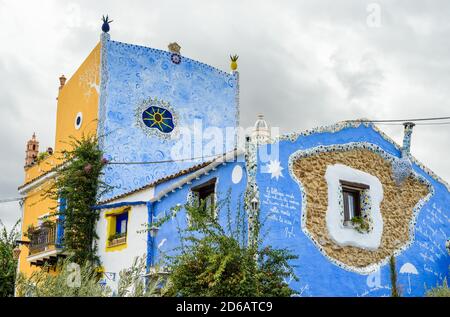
117,228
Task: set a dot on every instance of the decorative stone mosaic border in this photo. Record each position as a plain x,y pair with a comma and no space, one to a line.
169,54
365,207
104,79
155,132
343,148
103,95
355,124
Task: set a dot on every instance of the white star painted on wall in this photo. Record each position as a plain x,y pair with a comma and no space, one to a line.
274,168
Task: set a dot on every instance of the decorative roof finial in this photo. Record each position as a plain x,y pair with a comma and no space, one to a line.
234,64
174,47
106,22
62,81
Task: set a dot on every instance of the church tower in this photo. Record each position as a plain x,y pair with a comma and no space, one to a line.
32,151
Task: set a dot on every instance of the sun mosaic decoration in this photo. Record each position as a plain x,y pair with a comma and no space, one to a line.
156,118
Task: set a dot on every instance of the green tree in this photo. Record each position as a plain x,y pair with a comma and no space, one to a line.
8,265
216,260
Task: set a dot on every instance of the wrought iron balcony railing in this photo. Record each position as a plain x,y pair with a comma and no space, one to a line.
43,238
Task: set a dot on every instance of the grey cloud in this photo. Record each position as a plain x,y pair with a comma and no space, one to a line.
302,63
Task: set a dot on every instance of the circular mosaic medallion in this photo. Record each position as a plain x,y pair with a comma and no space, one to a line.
175,58
156,118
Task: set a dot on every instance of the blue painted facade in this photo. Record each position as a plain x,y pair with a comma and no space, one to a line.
318,276
136,78
167,238
193,93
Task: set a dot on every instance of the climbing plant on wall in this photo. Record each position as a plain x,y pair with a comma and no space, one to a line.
77,186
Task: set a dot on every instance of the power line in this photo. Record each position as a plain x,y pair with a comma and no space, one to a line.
7,200
417,124
434,123
401,120
166,161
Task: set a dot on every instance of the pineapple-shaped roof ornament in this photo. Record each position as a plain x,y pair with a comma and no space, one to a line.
106,22
233,63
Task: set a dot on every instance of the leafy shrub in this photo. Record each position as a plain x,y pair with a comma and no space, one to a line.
70,280
219,261
439,291
8,265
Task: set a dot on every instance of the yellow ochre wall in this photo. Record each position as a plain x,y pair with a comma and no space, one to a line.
35,205
79,94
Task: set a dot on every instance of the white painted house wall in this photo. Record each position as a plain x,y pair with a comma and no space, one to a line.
115,261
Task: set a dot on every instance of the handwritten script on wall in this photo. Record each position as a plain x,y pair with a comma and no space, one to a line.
283,209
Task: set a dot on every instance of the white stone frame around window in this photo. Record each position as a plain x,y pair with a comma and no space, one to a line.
389,158
345,235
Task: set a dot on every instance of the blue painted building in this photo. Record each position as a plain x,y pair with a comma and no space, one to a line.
422,259
344,198
138,81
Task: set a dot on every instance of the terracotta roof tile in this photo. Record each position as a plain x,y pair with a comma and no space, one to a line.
158,181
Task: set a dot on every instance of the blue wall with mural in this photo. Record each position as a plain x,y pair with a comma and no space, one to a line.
425,262
146,97
229,186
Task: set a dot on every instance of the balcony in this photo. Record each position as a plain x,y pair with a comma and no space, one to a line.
44,244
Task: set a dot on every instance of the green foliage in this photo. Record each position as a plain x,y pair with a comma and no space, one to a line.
439,291
360,224
135,282
234,58
78,182
42,156
117,236
395,292
72,280
216,260
8,265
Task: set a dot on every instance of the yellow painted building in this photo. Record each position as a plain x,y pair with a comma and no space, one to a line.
77,113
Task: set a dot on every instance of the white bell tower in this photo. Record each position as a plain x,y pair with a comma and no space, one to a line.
261,131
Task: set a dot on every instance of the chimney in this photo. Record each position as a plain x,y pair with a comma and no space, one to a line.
62,81
406,149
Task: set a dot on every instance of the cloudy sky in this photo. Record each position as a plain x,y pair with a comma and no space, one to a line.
302,63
